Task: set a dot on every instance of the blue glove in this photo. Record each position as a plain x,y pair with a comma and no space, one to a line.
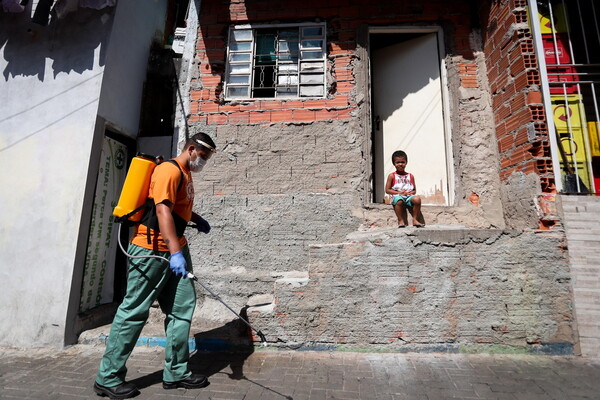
177,264
202,225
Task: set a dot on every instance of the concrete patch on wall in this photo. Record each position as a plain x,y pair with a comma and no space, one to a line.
519,195
474,145
295,279
323,157
260,243
415,289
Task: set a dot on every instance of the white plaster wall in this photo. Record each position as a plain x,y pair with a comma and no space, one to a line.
54,83
136,23
49,90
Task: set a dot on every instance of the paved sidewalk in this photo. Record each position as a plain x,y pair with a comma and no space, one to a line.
283,375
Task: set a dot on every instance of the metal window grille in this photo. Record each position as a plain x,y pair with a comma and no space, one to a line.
276,62
569,31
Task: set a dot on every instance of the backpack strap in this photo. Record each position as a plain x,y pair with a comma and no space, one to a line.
175,163
150,219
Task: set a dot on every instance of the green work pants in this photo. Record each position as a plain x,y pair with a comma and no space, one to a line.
151,279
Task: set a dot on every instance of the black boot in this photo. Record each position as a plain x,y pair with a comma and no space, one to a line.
194,381
125,390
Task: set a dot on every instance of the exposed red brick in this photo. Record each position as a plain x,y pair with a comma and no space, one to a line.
227,108
260,116
209,107
195,118
534,97
501,129
237,7
338,101
293,104
304,115
272,105
312,104
195,94
343,74
517,66
239,118
467,69
344,114
469,81
521,138
505,144
343,62
517,102
216,119
345,87
281,115
324,115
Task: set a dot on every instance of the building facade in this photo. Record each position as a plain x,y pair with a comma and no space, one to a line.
307,101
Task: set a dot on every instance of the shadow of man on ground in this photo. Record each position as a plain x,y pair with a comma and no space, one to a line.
229,346
215,350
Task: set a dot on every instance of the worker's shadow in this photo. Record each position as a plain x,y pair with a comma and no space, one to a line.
227,346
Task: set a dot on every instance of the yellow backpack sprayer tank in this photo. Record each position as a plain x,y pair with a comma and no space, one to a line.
135,189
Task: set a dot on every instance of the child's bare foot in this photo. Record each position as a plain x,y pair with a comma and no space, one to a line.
418,225
401,224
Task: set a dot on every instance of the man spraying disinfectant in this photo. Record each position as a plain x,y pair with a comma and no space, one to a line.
159,233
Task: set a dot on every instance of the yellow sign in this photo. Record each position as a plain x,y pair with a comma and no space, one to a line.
560,20
594,138
571,127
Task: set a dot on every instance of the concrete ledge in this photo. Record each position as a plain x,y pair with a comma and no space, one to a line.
244,345
202,345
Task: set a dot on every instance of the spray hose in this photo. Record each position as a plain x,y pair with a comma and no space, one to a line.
261,335
193,277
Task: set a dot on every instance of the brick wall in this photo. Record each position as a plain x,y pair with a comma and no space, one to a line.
207,105
513,74
343,18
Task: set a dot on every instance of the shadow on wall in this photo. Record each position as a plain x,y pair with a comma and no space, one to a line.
70,42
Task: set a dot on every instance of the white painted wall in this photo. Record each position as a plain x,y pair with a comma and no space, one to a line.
136,24
49,91
54,82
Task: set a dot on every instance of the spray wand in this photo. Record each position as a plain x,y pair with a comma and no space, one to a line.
261,335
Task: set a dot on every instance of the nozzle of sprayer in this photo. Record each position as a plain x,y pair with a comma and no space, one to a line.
261,335
263,339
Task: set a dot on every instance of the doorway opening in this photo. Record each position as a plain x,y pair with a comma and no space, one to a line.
409,110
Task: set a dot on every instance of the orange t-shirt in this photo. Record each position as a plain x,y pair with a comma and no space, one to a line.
163,186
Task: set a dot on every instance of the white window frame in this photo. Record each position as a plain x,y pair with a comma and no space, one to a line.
309,72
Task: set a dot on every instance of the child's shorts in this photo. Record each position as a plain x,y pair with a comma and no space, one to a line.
406,199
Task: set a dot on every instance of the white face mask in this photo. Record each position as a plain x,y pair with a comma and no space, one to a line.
196,166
